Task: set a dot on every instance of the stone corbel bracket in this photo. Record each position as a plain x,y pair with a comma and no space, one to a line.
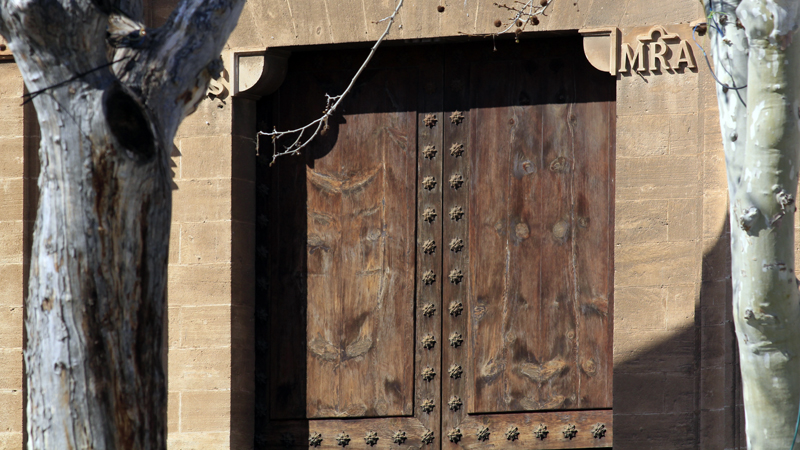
258,73
601,46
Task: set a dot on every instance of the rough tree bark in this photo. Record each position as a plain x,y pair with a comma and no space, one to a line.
753,47
96,295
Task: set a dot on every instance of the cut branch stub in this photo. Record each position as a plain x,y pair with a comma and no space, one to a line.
748,218
129,123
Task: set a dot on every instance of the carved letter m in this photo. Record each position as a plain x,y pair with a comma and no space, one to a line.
629,56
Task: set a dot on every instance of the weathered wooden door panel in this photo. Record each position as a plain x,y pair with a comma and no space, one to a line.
359,252
539,213
522,312
449,274
595,129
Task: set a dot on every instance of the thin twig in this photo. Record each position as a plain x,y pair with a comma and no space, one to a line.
331,104
526,14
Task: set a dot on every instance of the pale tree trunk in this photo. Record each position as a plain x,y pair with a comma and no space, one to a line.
96,296
760,128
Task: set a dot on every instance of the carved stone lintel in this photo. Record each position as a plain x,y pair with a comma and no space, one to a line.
651,49
259,73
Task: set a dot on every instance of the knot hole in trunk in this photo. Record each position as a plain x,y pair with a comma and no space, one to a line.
128,123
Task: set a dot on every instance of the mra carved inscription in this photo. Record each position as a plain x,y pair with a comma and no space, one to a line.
656,51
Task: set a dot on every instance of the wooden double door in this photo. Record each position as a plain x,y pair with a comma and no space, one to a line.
435,270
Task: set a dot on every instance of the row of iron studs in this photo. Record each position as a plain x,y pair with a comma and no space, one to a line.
456,275
569,431
431,168
512,434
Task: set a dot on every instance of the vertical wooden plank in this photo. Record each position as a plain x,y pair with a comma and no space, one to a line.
592,119
521,215
552,375
526,330
457,181
428,371
377,260
488,237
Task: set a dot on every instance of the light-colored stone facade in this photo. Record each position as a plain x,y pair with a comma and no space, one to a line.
675,373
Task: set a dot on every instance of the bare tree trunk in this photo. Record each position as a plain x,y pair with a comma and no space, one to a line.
752,46
96,298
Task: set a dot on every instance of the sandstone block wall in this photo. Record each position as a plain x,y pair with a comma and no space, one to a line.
12,224
210,357
675,379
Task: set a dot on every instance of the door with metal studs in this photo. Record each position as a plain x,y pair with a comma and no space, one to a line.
435,271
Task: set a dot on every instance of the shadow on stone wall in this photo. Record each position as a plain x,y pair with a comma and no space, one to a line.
683,391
